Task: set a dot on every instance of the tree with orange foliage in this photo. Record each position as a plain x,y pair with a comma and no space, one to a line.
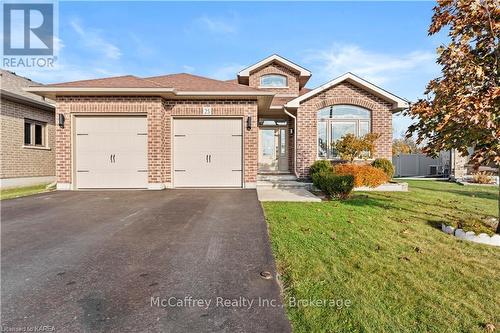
350,147
462,108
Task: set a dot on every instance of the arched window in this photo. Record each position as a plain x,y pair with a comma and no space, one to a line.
273,81
338,120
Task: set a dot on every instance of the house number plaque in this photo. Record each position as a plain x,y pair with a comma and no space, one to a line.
207,110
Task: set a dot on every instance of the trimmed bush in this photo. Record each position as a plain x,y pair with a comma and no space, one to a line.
364,175
319,166
384,165
337,186
319,178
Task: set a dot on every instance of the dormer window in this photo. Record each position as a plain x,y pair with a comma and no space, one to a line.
273,81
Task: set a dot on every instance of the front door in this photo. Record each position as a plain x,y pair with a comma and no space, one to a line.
273,149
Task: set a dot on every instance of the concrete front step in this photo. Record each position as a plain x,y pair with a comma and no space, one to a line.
276,177
282,184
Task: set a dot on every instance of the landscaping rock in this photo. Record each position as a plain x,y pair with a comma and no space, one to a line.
449,230
460,233
495,240
482,238
470,235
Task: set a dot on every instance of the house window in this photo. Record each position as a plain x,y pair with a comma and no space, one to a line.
338,120
273,81
272,122
34,133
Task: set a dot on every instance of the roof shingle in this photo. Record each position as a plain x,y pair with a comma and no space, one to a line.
190,82
179,82
13,83
126,81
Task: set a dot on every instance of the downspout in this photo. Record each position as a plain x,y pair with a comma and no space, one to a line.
294,141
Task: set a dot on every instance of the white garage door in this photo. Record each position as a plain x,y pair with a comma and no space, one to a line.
111,152
207,153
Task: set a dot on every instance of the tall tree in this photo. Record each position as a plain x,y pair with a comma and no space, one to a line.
462,108
405,146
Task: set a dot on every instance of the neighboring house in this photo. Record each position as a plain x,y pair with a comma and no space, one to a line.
27,134
462,169
183,130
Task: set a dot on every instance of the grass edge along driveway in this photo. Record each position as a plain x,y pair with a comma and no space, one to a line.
17,192
384,254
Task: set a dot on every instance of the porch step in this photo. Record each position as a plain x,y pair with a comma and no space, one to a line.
276,177
282,184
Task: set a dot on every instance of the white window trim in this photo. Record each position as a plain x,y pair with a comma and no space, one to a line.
329,121
33,122
36,147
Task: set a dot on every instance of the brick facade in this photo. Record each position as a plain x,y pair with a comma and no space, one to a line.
160,113
18,161
274,68
343,93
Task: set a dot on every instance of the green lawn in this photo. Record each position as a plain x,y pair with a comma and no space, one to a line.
22,191
383,253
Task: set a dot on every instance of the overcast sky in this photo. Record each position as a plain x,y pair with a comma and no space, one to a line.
383,42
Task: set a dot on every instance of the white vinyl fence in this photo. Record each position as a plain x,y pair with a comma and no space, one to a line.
421,165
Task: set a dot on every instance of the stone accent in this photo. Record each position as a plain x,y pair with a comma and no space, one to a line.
18,161
159,113
275,68
25,181
343,93
471,236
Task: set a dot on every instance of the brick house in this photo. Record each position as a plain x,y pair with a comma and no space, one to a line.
183,130
27,134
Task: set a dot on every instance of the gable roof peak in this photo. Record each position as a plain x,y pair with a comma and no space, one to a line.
398,103
303,72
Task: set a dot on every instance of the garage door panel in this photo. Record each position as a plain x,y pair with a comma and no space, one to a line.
111,152
101,179
191,160
226,161
111,124
129,160
195,139
92,159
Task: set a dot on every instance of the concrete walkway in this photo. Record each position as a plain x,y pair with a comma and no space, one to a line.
286,194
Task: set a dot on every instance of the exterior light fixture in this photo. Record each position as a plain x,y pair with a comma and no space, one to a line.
291,131
61,120
249,123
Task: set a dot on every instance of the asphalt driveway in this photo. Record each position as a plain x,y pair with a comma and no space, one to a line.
136,261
